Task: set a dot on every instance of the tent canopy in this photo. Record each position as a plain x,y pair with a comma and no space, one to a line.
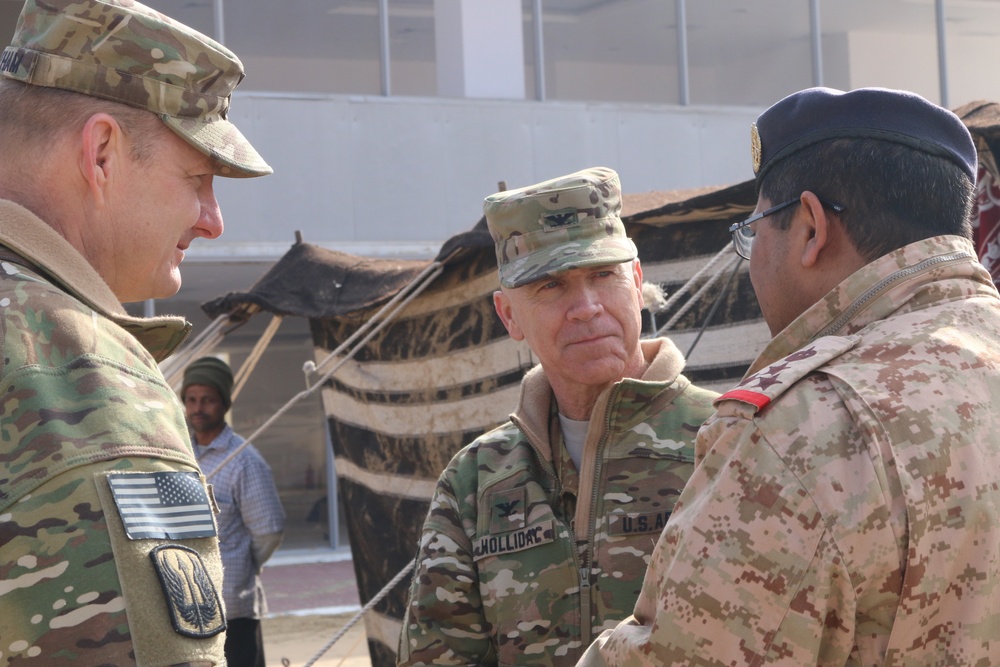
310,281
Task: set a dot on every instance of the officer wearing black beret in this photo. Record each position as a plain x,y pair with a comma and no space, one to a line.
845,508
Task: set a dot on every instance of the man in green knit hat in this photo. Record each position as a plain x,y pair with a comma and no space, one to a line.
251,520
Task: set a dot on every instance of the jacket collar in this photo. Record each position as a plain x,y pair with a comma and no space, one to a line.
535,402
900,281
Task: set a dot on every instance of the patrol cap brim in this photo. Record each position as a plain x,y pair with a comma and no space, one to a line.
221,140
573,254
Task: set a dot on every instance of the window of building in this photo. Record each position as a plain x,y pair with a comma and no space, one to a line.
412,67
747,52
306,46
889,44
607,50
320,46
972,33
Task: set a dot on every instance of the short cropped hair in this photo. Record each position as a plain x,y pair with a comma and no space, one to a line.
34,117
892,194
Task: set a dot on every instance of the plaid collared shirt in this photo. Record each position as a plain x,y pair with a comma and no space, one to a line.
249,505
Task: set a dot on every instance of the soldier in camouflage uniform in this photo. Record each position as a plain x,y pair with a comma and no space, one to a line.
112,125
539,532
846,509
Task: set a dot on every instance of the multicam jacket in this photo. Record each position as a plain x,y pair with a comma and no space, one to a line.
846,506
81,396
522,557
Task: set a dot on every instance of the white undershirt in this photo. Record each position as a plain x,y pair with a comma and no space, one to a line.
574,434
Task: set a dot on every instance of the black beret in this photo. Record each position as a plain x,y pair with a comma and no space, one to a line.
816,114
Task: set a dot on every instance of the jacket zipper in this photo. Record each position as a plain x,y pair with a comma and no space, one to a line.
888,281
586,622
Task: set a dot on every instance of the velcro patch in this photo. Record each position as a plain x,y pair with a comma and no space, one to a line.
636,524
11,60
192,599
553,220
162,505
516,540
508,510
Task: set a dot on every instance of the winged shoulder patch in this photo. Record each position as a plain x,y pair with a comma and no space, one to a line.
193,602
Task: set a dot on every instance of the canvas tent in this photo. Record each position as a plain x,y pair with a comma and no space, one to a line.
442,370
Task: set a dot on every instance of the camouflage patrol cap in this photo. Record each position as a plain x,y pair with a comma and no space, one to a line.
560,224
122,51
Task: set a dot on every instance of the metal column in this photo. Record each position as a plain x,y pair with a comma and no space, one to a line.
539,51
383,38
220,23
942,53
683,89
816,32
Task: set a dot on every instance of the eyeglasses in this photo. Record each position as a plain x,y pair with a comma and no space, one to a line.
743,235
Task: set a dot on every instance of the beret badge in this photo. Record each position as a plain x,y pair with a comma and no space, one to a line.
755,147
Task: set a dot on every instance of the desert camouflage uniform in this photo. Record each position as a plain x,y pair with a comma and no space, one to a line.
518,546
80,395
846,508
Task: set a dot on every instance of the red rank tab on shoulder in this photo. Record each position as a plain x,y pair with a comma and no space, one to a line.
751,397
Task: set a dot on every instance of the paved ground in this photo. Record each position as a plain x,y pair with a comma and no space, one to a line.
297,586
294,641
309,602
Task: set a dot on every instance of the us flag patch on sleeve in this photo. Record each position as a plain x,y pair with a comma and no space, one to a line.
162,505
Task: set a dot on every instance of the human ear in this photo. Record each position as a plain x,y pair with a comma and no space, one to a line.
100,141
637,277
505,309
817,222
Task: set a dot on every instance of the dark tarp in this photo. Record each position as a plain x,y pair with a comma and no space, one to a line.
338,284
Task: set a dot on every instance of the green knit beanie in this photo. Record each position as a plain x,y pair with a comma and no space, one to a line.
212,372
